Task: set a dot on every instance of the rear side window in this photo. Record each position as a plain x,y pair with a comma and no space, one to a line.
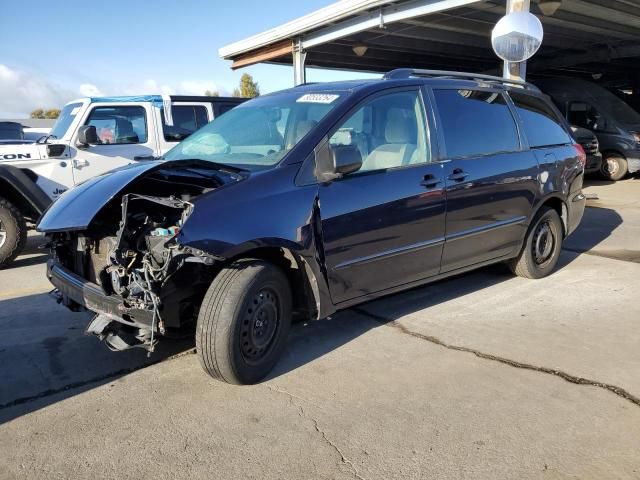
119,125
476,123
186,120
541,125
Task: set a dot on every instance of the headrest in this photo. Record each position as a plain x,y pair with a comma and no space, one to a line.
399,128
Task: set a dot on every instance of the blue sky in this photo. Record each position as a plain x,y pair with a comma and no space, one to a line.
54,51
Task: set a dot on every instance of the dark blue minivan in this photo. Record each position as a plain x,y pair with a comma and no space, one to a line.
310,200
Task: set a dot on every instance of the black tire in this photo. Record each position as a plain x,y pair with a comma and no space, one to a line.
244,321
13,232
614,167
542,246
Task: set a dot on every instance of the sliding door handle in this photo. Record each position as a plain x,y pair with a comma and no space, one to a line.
430,181
458,175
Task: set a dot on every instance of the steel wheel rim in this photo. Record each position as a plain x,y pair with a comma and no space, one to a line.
610,166
544,242
260,325
3,235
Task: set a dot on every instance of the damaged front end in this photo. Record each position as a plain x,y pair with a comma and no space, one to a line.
128,265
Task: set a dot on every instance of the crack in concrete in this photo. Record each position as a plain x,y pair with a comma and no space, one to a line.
303,414
619,391
100,378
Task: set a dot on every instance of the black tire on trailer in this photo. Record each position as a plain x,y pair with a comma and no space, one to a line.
542,246
614,167
244,321
13,232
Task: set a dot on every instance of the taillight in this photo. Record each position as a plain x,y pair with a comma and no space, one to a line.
582,157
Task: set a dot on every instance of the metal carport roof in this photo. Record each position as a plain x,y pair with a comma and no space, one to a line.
585,38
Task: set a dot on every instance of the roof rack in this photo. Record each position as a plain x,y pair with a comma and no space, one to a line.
399,73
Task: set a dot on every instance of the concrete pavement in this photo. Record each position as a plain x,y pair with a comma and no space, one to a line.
473,377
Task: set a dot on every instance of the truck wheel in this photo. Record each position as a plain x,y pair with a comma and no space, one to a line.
243,322
614,167
542,246
13,232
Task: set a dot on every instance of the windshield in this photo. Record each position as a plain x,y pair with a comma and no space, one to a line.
65,118
257,133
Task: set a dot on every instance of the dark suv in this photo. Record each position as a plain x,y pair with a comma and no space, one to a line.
311,200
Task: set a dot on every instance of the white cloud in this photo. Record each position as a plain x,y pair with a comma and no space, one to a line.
21,92
90,90
194,87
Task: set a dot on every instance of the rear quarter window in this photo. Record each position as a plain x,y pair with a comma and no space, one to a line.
541,125
475,123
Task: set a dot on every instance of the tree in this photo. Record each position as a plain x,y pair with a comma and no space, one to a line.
212,93
52,113
248,88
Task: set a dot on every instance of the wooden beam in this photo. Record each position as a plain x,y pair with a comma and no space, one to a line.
263,54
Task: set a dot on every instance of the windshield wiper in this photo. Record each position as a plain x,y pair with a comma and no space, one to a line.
219,166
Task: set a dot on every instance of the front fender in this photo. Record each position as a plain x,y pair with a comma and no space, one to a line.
265,211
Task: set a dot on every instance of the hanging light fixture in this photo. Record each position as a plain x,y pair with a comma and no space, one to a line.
360,49
549,7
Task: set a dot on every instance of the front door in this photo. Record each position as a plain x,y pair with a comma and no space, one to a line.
124,131
490,181
383,226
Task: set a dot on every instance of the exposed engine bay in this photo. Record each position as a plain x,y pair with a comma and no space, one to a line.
131,251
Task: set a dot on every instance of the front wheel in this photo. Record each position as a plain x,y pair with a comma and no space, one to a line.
244,322
13,232
614,167
542,246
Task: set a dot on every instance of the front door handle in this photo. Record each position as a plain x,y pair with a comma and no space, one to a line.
429,181
458,175
80,163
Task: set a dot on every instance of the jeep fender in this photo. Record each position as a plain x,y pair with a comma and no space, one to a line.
17,187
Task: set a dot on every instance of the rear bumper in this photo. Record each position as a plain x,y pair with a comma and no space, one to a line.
73,288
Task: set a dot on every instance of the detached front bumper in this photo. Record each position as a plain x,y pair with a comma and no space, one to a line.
73,291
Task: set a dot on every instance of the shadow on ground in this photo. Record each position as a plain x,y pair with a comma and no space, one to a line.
46,357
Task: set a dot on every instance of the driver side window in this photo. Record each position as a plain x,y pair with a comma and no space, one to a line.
389,131
119,125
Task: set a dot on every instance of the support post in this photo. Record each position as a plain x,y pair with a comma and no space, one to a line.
299,57
516,70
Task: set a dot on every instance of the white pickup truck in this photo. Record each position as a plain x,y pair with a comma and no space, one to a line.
90,137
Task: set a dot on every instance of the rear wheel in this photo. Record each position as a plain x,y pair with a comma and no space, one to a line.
542,246
614,167
243,322
13,232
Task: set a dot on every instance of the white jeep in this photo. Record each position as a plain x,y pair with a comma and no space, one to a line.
91,137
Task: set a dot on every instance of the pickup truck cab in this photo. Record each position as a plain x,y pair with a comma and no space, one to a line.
314,199
90,137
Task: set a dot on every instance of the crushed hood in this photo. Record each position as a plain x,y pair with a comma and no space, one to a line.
76,208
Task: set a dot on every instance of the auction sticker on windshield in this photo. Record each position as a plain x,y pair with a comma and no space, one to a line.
317,98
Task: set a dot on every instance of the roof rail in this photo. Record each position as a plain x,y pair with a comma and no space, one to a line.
399,73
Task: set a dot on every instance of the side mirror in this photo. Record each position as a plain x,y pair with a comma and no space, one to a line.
87,135
55,150
335,161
